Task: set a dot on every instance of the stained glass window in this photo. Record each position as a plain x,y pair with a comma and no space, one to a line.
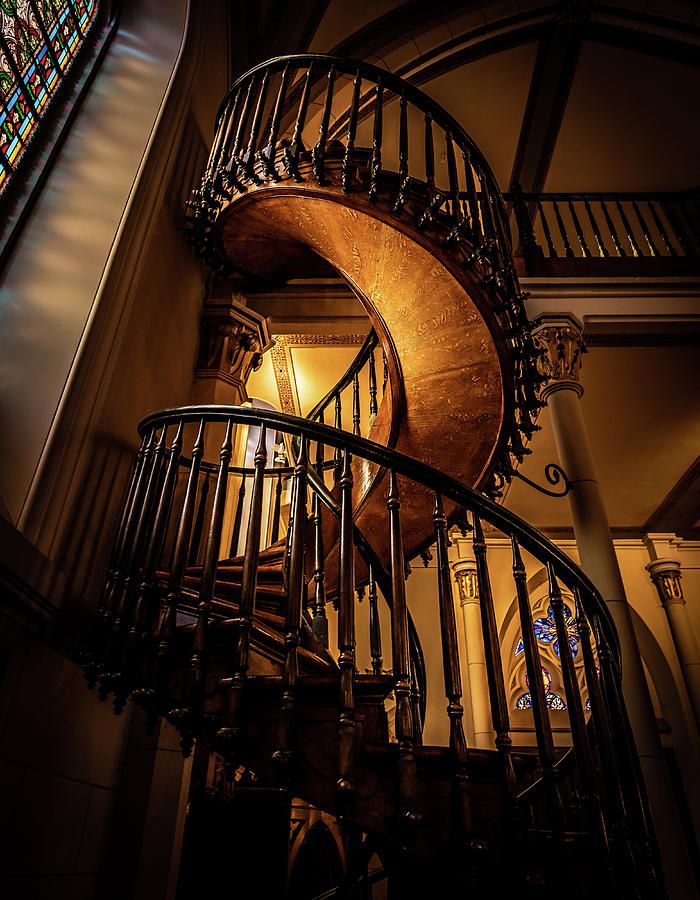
553,701
546,630
39,40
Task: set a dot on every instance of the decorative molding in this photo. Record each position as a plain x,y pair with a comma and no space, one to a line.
561,339
467,583
283,365
232,341
666,575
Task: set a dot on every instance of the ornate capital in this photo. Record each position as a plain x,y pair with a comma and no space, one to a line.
232,341
666,575
561,340
467,583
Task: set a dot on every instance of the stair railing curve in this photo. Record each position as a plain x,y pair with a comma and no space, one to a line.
143,627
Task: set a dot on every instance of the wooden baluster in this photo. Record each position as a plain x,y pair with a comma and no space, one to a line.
662,231
646,861
345,786
199,522
579,231
319,621
453,180
404,180
356,404
526,233
277,510
318,154
375,169
416,700
373,408
547,233
230,734
231,122
433,195
533,662
218,138
148,600
628,230
408,815
562,231
293,151
320,453
189,713
375,631
236,162
100,625
267,155
249,156
126,600
604,747
678,231
452,676
472,201
238,518
645,229
177,569
348,156
602,249
385,376
494,665
582,748
619,249
337,456
295,603
486,211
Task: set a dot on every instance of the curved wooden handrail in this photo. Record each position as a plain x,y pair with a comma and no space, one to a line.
498,516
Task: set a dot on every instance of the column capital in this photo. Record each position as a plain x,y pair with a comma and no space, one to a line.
467,583
560,337
666,575
233,339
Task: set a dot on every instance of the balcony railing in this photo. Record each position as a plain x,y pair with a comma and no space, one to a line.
606,233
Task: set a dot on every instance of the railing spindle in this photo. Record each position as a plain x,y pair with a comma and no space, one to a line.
356,404
562,230
238,518
296,591
348,156
318,154
579,231
267,155
602,249
319,621
574,706
231,121
375,169
248,164
543,728
678,231
292,152
345,786
408,816
628,230
494,664
242,122
645,229
373,408
547,233
277,510
231,732
451,673
177,569
193,682
472,201
662,231
613,232
453,179
404,180
337,456
199,522
375,633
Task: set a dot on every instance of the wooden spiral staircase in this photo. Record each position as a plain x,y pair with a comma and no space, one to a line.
234,648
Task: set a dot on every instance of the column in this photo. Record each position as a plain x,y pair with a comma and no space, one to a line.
464,570
561,338
665,572
232,341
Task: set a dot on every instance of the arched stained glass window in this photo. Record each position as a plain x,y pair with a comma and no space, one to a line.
553,701
39,40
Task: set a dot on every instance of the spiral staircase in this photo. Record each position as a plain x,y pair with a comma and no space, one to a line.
317,156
